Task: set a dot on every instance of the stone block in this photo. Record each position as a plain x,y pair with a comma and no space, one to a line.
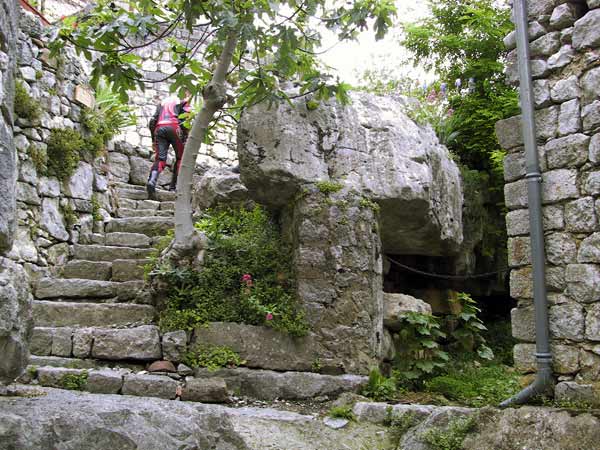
81,183
565,359
519,251
26,193
514,166
127,239
592,323
128,269
573,392
104,381
590,365
109,253
150,386
594,149
52,220
140,169
545,45
523,324
82,342
395,307
71,314
205,390
541,93
561,249
509,132
92,270
589,249
586,32
565,89
546,122
555,279
62,342
569,119
567,321
84,96
523,356
583,282
591,183
521,283
515,194
559,184
174,345
591,116
580,216
562,58
41,341
56,376
118,166
590,85
140,343
563,16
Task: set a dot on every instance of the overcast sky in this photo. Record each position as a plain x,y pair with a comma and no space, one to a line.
349,59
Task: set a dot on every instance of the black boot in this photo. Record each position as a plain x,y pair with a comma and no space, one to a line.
173,185
151,184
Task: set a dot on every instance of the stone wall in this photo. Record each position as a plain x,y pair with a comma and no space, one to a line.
565,39
15,296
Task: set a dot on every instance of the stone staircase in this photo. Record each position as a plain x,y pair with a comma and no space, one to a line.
96,330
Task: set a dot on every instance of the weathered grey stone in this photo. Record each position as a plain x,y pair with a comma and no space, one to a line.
591,183
92,270
49,187
52,220
127,239
583,282
566,36
570,391
594,149
514,166
26,193
65,314
118,166
592,323
145,204
590,366
541,93
41,341
567,321
151,226
523,324
569,120
519,251
580,216
521,283
80,184
593,4
563,16
565,359
104,381
62,342
109,253
395,307
261,347
57,376
100,182
524,358
515,194
218,186
15,320
74,288
561,249
205,390
545,45
373,136
558,185
24,247
566,89
589,249
149,386
509,132
140,343
563,57
82,342
568,151
591,116
174,345
128,269
270,385
546,122
586,31
139,171
590,85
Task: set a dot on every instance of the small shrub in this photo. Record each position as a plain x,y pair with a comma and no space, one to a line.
399,425
32,371
64,152
379,388
96,209
74,381
328,187
25,106
468,328
212,357
450,438
39,158
69,215
341,412
367,203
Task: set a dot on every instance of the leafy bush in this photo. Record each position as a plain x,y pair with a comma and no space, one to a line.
25,106
468,328
64,152
246,277
379,387
450,438
39,158
212,357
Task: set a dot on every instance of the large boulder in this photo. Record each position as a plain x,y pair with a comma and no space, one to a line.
8,154
15,320
370,146
396,306
218,186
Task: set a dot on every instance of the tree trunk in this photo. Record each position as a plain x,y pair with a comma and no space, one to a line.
214,95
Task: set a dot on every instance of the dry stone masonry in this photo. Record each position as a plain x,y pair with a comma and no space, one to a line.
565,43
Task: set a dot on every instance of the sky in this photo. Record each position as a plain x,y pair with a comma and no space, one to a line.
350,59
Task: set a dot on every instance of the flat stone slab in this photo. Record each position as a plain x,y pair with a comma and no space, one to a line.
71,314
140,343
260,347
75,288
128,269
122,212
77,363
91,270
150,386
109,252
127,240
271,385
205,390
151,226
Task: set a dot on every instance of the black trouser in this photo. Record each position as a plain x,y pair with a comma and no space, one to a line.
164,137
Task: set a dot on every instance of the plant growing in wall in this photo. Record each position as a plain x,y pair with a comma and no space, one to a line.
245,45
25,106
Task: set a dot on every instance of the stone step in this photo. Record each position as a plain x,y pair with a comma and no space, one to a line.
135,240
146,204
52,288
122,212
83,314
90,270
36,361
110,252
128,269
167,206
151,226
134,192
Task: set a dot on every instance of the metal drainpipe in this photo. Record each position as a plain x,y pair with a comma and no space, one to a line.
544,381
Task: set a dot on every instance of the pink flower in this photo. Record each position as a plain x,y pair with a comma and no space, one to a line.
269,316
450,112
246,277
